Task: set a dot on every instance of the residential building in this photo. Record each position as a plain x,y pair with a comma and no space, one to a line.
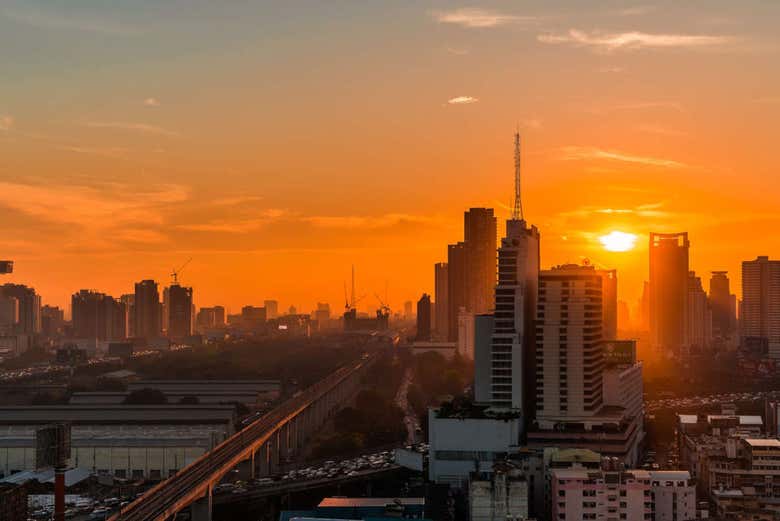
97,316
760,314
613,493
148,311
722,304
29,307
179,312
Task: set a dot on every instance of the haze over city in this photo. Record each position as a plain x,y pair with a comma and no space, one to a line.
369,261
279,144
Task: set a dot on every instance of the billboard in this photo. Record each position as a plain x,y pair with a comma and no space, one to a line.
6,266
52,445
619,352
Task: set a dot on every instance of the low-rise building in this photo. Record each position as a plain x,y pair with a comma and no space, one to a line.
614,494
125,441
502,494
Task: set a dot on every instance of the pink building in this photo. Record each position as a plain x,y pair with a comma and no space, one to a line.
616,495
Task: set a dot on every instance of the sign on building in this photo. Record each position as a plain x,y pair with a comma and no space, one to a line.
52,444
6,266
619,352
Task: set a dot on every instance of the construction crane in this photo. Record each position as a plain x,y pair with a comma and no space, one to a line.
384,308
351,301
176,273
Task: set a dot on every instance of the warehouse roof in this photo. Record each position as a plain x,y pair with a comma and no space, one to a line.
117,414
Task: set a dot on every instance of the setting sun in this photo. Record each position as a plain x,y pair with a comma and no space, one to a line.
618,241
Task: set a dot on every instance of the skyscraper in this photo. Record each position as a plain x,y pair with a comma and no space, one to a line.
97,316
479,239
148,312
668,290
512,343
722,305
698,325
179,312
440,271
760,316
424,318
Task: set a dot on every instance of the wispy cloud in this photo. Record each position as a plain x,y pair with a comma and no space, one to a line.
6,122
462,100
50,18
90,207
151,102
370,222
611,69
476,18
236,200
593,153
112,152
133,127
649,210
636,10
662,131
633,40
457,51
241,225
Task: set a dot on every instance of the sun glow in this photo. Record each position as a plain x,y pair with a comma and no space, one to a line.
618,241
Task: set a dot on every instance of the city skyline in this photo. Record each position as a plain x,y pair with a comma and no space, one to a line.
131,168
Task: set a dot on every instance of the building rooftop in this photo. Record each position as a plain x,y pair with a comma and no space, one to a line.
357,502
763,442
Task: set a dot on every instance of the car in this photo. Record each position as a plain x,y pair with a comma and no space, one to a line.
100,513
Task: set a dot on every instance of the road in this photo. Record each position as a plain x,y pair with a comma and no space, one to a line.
411,421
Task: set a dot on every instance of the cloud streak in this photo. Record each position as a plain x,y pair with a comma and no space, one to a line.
6,122
52,19
633,40
574,153
476,18
462,100
142,128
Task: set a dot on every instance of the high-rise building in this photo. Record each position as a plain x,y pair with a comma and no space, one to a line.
442,301
569,349
722,301
179,312
148,311
271,309
585,386
408,310
29,302
760,312
210,318
129,301
698,327
512,344
479,239
9,315
668,290
424,318
609,307
97,316
52,321
456,287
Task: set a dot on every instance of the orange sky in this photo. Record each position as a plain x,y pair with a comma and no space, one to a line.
277,145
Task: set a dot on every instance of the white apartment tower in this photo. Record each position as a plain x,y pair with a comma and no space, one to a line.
569,350
512,341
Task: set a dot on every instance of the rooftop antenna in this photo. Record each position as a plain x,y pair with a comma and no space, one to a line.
517,211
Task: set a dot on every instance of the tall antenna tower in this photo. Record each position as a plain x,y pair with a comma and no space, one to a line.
517,211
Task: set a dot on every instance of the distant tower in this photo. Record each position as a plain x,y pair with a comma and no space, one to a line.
424,318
